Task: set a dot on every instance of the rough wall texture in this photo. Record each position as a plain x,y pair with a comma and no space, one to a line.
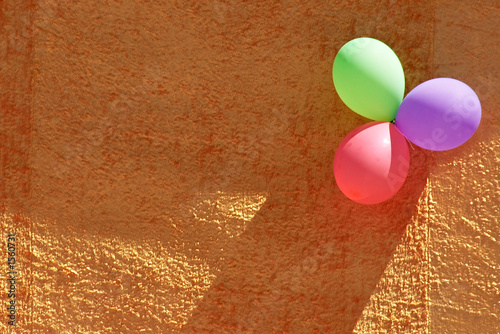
166,166
464,224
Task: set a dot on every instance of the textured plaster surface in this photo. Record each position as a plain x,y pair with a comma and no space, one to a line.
464,220
167,168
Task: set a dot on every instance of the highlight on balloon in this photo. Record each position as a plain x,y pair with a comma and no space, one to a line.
372,162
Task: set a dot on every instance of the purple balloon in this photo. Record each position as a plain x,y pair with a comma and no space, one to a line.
439,114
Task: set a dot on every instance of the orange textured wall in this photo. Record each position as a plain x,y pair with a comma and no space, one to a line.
167,167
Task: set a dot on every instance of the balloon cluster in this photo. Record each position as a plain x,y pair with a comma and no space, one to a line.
372,162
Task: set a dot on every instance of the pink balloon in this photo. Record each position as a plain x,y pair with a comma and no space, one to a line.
372,162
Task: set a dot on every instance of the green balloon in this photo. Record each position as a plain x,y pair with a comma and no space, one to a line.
369,78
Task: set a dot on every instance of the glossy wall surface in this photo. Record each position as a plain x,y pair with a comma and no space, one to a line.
167,168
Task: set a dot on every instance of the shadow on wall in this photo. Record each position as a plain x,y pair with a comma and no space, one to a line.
185,108
309,261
